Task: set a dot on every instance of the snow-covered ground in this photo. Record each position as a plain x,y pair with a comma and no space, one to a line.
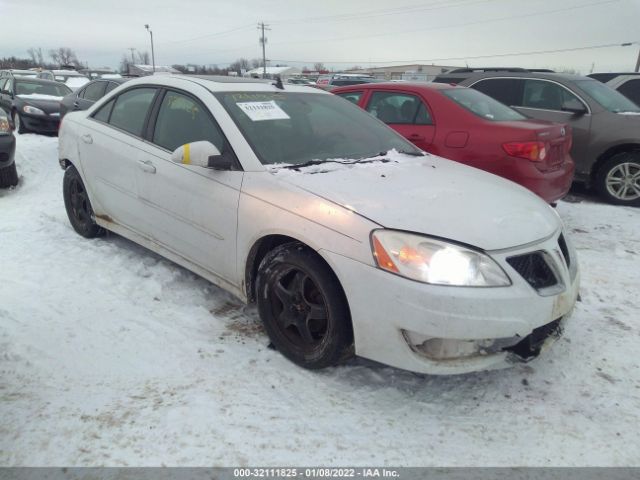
111,355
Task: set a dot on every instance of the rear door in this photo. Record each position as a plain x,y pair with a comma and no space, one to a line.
191,210
406,113
110,144
89,95
631,90
544,100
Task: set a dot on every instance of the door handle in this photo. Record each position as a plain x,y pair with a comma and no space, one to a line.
87,138
76,105
146,166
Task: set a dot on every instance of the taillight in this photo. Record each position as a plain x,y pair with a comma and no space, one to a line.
534,151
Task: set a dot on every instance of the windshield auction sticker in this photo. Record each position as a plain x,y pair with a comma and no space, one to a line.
258,111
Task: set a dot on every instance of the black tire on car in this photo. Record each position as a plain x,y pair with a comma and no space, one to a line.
618,179
8,176
18,124
78,206
303,307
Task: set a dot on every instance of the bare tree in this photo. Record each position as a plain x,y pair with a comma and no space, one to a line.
239,65
319,66
143,57
124,64
36,55
64,56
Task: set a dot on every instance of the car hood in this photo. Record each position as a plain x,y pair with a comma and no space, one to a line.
46,103
434,196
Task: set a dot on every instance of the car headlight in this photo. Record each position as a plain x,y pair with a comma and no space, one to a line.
5,128
435,261
32,110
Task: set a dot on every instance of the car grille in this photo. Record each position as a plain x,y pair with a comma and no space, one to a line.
565,251
534,269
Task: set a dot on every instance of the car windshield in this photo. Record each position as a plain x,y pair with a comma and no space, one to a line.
41,88
606,96
296,128
482,105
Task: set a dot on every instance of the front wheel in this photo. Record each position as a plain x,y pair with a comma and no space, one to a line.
18,125
78,206
8,176
303,307
618,179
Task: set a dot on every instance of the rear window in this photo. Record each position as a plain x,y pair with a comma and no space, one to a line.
482,105
606,96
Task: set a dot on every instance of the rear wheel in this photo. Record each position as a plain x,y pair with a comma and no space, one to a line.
78,206
8,176
303,307
618,179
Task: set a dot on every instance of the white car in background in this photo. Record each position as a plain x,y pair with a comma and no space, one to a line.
72,79
350,240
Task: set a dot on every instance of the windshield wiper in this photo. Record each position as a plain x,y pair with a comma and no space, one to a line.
320,162
406,152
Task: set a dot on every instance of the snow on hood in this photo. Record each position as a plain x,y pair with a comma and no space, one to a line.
431,195
39,96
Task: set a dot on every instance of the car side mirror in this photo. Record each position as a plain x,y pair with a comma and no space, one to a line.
574,106
201,154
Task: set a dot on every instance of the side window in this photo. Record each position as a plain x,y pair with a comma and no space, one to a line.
131,108
94,92
2,82
399,108
111,86
505,90
103,112
353,97
182,120
546,95
631,90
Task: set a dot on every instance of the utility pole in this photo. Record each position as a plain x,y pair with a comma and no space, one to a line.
263,41
638,62
153,56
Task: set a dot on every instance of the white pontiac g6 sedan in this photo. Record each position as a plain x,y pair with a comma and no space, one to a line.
350,240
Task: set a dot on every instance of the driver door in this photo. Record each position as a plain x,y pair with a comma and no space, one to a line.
188,209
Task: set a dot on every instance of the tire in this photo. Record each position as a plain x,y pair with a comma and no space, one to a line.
8,176
18,124
303,307
78,206
618,179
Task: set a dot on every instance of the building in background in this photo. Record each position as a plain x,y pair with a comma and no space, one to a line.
413,73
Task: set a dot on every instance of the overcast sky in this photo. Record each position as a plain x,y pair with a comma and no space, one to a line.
356,32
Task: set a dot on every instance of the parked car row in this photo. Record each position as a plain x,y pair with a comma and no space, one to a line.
472,128
605,124
349,238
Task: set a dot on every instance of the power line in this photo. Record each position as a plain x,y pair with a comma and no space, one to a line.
385,12
444,27
476,57
209,35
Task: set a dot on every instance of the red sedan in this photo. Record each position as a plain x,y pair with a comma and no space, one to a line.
470,127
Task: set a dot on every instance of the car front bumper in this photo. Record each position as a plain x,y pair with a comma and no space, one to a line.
7,150
41,123
492,327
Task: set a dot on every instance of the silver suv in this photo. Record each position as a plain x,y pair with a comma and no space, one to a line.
606,125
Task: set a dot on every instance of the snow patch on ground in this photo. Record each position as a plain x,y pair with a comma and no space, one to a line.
111,355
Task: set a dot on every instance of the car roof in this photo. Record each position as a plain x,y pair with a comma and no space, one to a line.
220,83
38,80
399,86
567,77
